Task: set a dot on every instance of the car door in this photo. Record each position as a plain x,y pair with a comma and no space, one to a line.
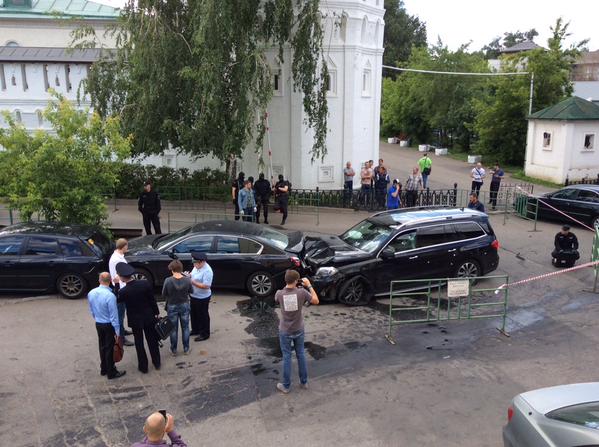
183,249
233,260
560,200
403,265
586,206
10,251
40,263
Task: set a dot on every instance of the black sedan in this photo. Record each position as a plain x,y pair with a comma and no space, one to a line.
243,255
43,257
579,201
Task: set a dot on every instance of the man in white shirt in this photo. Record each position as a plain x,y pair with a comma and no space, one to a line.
122,246
477,174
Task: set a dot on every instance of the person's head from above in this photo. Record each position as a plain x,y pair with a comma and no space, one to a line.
250,180
382,169
125,272
370,163
148,186
155,426
241,175
381,162
415,170
348,165
122,245
104,279
425,154
473,197
281,178
479,165
565,230
175,267
261,176
199,259
291,278
496,165
395,182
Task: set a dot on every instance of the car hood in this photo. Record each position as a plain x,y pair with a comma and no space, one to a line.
330,250
143,244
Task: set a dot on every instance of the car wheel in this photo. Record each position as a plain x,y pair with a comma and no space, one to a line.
260,284
467,269
71,285
143,274
354,292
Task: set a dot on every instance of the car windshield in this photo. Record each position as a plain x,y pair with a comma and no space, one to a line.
586,414
367,235
279,240
171,237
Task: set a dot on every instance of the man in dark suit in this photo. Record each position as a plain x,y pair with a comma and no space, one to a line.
142,313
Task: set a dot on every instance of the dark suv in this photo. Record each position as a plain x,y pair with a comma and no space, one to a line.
399,245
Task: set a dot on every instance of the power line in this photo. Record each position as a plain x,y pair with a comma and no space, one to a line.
414,70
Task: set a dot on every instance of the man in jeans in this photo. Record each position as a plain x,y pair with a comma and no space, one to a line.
291,299
201,280
247,202
348,183
176,291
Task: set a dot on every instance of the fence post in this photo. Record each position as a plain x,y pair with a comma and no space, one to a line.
317,206
567,182
428,196
455,194
168,221
10,217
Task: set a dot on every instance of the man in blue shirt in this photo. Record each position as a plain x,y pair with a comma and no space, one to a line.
247,202
201,280
102,305
497,175
475,204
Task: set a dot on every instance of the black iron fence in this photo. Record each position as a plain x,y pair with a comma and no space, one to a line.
584,181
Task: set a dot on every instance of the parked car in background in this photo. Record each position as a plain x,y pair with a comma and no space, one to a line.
243,255
428,242
559,416
43,257
578,201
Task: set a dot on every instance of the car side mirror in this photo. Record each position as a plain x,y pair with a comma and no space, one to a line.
388,253
172,254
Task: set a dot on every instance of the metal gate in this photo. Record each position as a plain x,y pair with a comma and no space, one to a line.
447,299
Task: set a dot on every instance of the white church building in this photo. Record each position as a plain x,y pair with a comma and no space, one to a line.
34,58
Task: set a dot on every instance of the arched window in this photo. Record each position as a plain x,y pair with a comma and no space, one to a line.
364,34
367,79
18,116
331,81
11,43
40,118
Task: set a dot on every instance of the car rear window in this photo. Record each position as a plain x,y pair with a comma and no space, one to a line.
469,230
41,246
73,248
586,414
10,246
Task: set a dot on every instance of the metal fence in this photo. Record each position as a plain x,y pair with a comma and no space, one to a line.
584,181
446,299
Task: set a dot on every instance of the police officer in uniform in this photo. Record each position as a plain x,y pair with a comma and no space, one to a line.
565,252
149,206
237,186
263,192
282,188
142,313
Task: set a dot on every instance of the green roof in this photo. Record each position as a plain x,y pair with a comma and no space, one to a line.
571,109
40,9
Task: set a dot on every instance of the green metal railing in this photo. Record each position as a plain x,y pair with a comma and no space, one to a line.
595,258
447,299
527,208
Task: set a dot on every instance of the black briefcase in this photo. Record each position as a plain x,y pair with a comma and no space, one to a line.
164,327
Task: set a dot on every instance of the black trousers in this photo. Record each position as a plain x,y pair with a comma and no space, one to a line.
411,198
152,219
200,318
283,201
476,188
494,189
236,204
564,258
262,204
348,188
152,339
106,345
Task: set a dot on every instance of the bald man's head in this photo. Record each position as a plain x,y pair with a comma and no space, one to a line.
155,427
105,278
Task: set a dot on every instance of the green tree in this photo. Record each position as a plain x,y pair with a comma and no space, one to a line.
402,32
63,174
195,75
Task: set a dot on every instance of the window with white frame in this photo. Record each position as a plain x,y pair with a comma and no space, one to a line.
589,141
547,140
40,118
277,82
331,82
18,116
366,81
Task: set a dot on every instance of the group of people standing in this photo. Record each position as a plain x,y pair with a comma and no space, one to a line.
187,297
250,198
478,174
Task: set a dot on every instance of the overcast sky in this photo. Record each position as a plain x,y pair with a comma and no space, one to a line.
479,21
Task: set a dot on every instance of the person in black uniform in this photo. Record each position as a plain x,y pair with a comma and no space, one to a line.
263,192
565,251
142,313
237,186
282,188
149,206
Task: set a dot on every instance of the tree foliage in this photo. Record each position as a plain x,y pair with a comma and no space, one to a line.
402,33
62,175
493,49
196,75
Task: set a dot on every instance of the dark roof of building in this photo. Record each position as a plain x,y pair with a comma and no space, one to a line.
588,57
527,45
42,54
571,109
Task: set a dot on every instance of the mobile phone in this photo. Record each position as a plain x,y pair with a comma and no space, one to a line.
163,413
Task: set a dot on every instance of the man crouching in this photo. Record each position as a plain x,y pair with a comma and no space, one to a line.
291,300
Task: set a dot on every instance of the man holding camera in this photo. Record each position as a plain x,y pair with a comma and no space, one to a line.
158,425
291,300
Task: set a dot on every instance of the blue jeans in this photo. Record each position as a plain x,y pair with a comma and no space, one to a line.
179,313
289,343
424,180
121,308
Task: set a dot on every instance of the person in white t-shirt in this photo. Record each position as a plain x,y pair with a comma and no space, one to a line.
122,246
477,174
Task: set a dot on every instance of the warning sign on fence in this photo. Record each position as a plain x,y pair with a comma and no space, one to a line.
457,288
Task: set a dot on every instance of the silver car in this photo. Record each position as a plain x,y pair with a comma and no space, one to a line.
558,416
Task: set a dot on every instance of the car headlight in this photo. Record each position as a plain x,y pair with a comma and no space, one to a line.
326,271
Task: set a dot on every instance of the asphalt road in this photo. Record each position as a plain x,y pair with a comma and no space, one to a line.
442,384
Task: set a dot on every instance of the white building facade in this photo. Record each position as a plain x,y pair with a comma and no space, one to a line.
33,61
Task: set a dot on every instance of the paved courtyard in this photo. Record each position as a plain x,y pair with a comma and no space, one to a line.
442,384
